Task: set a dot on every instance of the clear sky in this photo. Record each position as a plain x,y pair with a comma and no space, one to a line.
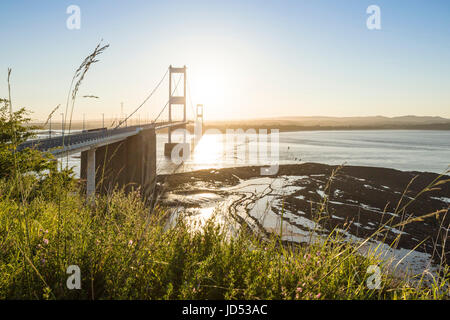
245,59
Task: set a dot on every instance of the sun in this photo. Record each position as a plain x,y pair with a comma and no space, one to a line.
209,85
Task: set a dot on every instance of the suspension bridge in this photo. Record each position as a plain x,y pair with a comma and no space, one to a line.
123,156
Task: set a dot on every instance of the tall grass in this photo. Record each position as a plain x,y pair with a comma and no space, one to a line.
124,251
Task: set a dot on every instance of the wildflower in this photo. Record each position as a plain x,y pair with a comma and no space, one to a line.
299,289
318,295
45,241
130,243
43,261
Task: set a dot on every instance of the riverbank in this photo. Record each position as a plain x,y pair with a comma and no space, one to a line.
358,200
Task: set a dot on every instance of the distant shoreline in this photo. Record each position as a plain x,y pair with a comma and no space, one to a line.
287,123
288,128
282,128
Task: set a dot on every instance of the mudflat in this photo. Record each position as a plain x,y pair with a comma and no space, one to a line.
357,199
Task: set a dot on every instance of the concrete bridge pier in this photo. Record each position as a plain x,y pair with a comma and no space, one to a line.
130,163
90,173
183,148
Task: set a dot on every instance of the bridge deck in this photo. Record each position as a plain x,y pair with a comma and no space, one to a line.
81,141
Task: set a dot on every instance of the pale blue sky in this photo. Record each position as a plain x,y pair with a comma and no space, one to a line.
245,58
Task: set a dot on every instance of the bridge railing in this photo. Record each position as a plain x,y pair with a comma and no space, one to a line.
45,144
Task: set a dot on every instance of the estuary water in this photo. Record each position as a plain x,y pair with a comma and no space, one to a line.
408,150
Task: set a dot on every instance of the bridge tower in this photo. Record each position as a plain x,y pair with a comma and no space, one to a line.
175,101
199,119
199,116
198,126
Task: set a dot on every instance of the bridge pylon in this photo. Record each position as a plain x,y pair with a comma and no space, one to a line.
174,101
199,119
199,115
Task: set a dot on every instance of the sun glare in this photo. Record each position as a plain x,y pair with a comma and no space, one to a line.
209,151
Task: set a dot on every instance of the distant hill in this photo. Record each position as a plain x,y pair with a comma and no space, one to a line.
339,123
371,121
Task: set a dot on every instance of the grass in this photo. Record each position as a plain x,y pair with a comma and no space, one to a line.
125,252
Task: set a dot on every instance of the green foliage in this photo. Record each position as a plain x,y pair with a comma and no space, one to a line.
126,252
33,171
14,130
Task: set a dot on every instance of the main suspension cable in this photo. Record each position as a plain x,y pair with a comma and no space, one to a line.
146,99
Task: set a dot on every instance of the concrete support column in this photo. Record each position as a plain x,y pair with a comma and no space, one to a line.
130,163
90,173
